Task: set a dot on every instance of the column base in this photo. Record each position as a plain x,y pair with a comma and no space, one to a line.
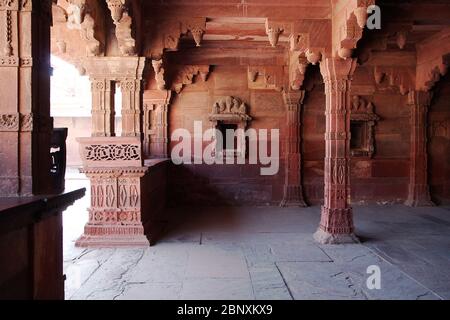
419,203
419,196
324,237
86,241
293,197
112,237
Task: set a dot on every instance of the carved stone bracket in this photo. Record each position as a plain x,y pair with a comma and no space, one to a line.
297,70
197,29
273,30
185,75
170,32
401,77
350,18
266,77
158,68
123,22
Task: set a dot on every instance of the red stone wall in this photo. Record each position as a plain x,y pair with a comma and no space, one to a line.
383,179
226,184
439,143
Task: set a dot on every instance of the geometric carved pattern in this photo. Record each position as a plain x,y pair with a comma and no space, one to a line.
112,152
109,152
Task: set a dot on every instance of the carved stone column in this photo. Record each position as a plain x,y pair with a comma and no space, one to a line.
336,224
293,191
131,108
419,193
156,123
103,114
25,122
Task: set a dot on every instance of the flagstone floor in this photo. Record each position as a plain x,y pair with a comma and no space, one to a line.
266,253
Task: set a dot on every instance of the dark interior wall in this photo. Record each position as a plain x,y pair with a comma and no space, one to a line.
439,143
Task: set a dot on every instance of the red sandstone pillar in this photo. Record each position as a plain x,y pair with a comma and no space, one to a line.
419,193
336,224
293,193
131,107
103,113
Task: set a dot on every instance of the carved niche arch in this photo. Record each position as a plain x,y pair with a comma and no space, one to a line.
231,112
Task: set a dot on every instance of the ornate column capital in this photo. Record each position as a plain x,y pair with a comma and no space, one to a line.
419,98
293,99
334,69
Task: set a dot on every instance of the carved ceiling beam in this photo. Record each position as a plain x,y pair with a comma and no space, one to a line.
185,75
432,59
349,20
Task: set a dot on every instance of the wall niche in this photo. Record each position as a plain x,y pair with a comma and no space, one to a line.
363,120
230,113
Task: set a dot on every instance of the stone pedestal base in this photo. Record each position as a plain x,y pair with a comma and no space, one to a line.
293,197
324,237
112,236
